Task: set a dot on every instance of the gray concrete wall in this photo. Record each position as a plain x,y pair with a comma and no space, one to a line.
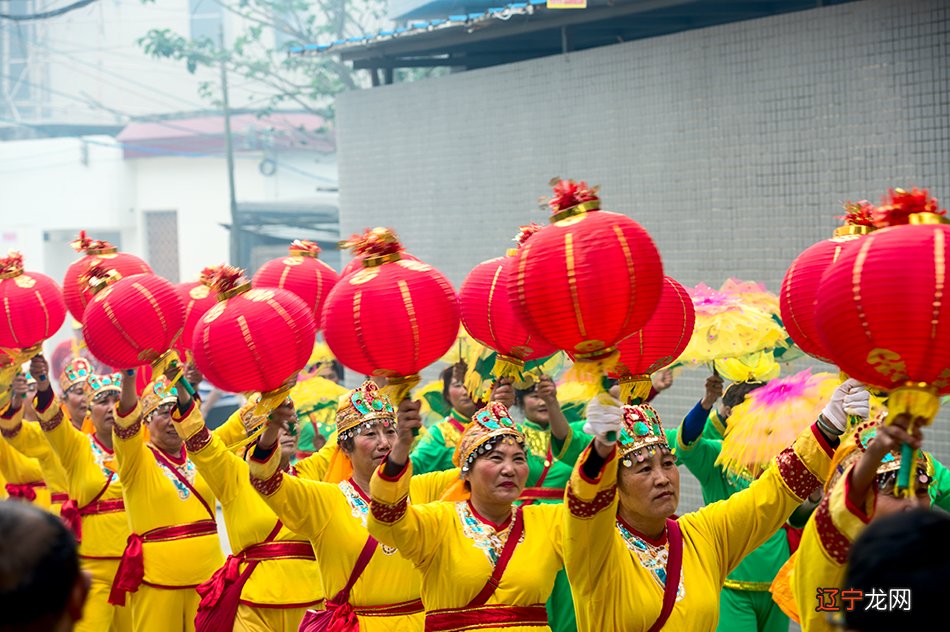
733,145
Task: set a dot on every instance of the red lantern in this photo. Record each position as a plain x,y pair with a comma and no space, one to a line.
658,344
800,285
488,315
392,318
253,339
32,303
302,273
132,321
99,254
589,279
881,311
198,296
883,315
356,263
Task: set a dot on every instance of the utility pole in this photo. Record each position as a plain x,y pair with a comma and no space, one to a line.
235,252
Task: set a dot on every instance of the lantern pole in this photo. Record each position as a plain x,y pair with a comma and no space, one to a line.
235,250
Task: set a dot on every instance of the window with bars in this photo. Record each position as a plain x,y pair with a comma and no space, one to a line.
161,235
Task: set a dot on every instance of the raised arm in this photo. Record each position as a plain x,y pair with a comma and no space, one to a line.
414,530
738,525
303,506
128,442
221,469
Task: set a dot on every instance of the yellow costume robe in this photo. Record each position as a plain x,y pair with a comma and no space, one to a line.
333,517
278,591
823,553
617,576
96,491
456,552
29,446
156,499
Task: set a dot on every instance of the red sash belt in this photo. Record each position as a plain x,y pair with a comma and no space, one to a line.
484,617
221,595
131,571
542,493
58,497
72,513
24,491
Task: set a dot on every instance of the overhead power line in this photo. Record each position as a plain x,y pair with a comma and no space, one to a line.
46,14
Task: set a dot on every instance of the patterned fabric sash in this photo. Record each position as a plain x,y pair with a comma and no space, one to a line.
485,617
541,493
131,571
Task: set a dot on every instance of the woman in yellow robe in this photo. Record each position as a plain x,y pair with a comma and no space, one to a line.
621,548
96,510
463,548
174,543
271,578
332,515
861,489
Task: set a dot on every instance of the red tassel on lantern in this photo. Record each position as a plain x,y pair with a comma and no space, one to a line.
198,296
32,304
488,315
302,273
132,321
100,254
658,344
589,279
392,318
253,339
800,285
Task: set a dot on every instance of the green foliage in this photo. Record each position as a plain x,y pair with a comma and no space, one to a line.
256,51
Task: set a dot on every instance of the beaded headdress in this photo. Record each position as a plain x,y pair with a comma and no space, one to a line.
363,406
76,372
856,444
156,394
110,382
489,425
641,434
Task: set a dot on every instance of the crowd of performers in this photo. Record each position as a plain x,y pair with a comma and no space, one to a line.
478,522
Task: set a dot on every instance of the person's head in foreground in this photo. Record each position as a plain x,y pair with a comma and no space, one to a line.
41,586
901,564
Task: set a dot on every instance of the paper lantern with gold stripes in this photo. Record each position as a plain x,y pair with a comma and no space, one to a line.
133,320
301,273
394,317
32,304
96,255
589,279
253,339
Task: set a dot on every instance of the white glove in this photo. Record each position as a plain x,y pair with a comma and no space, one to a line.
850,398
603,418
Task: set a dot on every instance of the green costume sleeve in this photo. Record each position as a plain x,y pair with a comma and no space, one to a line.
570,449
940,488
432,455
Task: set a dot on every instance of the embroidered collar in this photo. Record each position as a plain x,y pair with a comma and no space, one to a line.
652,555
482,534
659,541
488,523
